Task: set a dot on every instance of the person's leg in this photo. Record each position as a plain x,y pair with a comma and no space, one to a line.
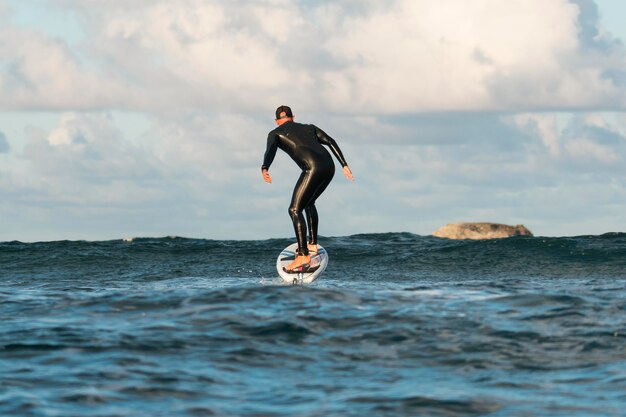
311,210
309,186
312,221
298,201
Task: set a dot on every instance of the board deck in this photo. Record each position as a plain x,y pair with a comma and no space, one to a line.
319,261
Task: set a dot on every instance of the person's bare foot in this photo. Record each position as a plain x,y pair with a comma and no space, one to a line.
299,261
312,249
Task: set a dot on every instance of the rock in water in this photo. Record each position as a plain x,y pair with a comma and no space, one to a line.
481,231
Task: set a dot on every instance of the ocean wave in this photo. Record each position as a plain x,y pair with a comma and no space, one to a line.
399,324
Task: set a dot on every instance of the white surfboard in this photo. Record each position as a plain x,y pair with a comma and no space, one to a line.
318,264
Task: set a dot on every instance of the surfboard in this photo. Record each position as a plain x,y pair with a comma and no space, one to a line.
318,264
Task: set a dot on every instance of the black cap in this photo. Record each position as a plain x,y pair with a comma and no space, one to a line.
283,109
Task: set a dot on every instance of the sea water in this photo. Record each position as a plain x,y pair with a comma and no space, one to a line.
398,325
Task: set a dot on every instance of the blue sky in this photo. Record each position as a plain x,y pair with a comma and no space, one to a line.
149,118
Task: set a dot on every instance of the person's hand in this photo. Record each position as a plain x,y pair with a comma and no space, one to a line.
348,173
266,176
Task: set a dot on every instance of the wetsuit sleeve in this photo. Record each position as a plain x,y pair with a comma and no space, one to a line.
330,142
270,152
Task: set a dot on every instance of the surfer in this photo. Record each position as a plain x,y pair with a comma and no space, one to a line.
303,143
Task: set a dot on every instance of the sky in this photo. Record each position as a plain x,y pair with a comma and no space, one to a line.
149,118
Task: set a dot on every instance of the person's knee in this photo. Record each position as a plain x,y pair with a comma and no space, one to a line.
294,211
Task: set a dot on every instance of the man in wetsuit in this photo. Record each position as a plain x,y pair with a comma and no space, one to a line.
303,143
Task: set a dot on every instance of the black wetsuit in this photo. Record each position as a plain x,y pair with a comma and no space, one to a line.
303,143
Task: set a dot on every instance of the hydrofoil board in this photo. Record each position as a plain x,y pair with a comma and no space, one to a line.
318,264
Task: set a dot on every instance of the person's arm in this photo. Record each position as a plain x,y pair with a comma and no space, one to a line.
270,153
332,144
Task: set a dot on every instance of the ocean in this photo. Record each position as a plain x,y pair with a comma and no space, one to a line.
398,325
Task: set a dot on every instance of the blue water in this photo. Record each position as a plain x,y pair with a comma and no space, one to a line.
398,325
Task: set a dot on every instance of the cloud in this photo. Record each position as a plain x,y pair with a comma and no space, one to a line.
90,147
544,126
349,57
587,143
40,73
198,175
445,111
557,173
86,162
188,176
4,144
586,149
83,178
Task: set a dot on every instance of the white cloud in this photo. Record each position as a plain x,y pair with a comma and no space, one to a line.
199,176
596,144
39,73
408,56
402,86
88,146
544,126
586,149
586,143
4,144
193,177
434,55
